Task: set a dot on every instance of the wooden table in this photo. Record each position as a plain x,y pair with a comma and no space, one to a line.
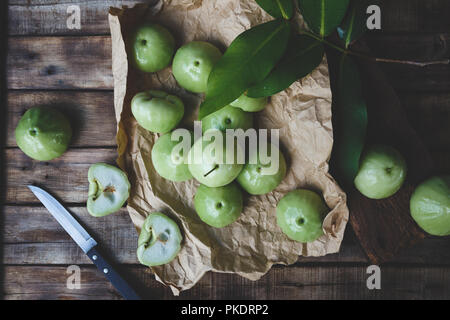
49,64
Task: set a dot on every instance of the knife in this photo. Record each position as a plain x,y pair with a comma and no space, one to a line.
84,241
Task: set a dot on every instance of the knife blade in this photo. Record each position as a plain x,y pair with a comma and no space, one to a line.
84,241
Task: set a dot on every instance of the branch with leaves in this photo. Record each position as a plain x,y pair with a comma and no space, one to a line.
270,57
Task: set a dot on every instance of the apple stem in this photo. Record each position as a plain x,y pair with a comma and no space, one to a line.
213,169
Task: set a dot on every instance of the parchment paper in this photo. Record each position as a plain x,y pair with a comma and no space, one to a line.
251,245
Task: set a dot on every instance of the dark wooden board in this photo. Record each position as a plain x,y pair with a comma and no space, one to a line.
38,18
49,63
296,283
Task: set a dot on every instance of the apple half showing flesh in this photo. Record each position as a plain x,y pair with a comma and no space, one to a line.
219,207
300,215
159,241
109,188
430,205
206,165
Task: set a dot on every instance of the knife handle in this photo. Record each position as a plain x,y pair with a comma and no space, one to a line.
117,281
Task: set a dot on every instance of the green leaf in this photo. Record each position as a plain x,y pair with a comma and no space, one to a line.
277,8
355,22
303,55
248,60
323,16
350,120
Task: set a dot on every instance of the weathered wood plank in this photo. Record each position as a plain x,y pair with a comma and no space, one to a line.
65,177
85,62
44,17
90,113
60,63
29,230
299,283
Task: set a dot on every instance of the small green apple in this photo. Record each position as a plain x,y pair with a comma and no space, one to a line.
228,118
154,47
157,111
300,215
381,173
430,205
219,207
168,163
248,104
159,241
109,188
193,63
43,133
206,165
255,178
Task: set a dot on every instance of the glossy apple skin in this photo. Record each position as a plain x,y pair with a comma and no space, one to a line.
193,63
159,241
228,118
153,48
381,173
252,178
163,162
250,104
157,111
43,133
207,171
219,207
300,215
430,205
109,189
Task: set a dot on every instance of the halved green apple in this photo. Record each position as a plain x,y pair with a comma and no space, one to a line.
109,188
159,241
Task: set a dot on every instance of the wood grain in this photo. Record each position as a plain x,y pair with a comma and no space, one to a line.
65,177
60,63
91,114
298,283
37,17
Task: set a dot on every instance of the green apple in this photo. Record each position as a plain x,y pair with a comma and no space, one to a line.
159,241
248,104
228,118
300,215
157,111
219,207
43,133
168,162
109,188
193,63
430,205
208,161
154,47
257,178
381,173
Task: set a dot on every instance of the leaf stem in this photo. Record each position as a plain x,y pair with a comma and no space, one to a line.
375,59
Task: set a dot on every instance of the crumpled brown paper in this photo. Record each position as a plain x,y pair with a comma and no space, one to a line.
251,245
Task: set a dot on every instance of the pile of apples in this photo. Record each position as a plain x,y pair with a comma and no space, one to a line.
44,134
219,199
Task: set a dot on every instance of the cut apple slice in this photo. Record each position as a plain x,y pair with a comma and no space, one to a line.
159,241
109,188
